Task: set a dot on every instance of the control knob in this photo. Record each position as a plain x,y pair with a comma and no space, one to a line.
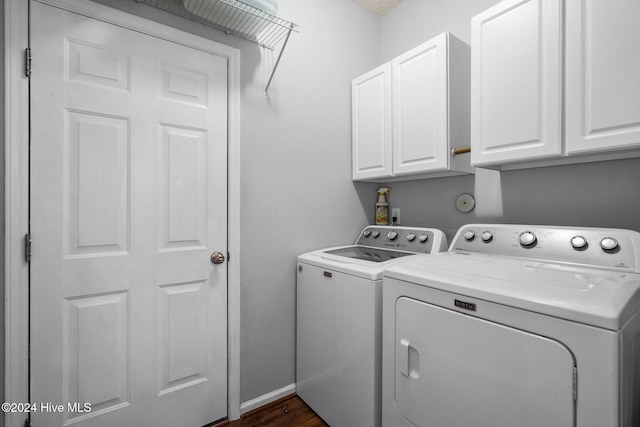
366,233
411,237
527,238
392,235
375,234
469,235
487,236
609,244
423,238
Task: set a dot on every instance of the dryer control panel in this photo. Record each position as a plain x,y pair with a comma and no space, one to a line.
597,247
410,239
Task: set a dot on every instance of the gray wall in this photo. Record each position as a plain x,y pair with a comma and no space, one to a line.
601,194
297,193
415,21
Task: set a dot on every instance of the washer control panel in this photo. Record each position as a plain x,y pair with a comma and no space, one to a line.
410,239
597,247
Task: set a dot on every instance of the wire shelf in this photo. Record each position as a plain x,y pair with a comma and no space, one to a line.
232,17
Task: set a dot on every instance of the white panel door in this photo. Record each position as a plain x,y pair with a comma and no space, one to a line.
603,75
516,93
452,369
128,201
420,118
371,124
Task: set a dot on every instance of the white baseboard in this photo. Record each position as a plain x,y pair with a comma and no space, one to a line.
267,398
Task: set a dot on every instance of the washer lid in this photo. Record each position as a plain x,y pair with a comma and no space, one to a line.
356,260
591,296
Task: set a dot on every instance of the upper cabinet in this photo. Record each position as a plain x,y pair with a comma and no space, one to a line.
523,51
603,75
516,95
408,115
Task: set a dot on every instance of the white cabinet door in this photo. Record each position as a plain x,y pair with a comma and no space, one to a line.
603,75
516,94
420,119
371,121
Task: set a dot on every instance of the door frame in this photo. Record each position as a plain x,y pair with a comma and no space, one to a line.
16,200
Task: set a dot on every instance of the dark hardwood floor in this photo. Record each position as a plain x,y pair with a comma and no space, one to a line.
290,411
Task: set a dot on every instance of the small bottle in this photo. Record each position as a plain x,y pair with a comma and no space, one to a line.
382,207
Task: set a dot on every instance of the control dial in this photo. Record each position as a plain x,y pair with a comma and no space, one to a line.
487,236
609,244
375,234
423,238
469,235
578,242
366,233
527,238
392,235
411,237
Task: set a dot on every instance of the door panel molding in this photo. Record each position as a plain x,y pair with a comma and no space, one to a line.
16,114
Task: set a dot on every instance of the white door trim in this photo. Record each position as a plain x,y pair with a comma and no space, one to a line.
16,115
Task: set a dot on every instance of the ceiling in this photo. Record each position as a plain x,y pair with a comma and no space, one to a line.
378,7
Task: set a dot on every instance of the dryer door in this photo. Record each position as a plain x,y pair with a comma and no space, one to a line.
453,369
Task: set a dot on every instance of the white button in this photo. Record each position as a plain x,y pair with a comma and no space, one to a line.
487,236
527,238
608,243
469,235
579,242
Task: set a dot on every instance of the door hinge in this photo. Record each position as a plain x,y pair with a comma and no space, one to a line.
575,383
27,247
27,62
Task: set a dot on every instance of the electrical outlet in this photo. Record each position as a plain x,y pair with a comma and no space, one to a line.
395,216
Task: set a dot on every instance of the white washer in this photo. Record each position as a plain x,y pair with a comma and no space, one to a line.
339,321
515,326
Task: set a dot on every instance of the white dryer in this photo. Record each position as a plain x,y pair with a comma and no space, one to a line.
339,321
528,326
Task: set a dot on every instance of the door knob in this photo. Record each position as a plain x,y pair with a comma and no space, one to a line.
217,258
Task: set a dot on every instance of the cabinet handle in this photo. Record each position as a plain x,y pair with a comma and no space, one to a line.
460,150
